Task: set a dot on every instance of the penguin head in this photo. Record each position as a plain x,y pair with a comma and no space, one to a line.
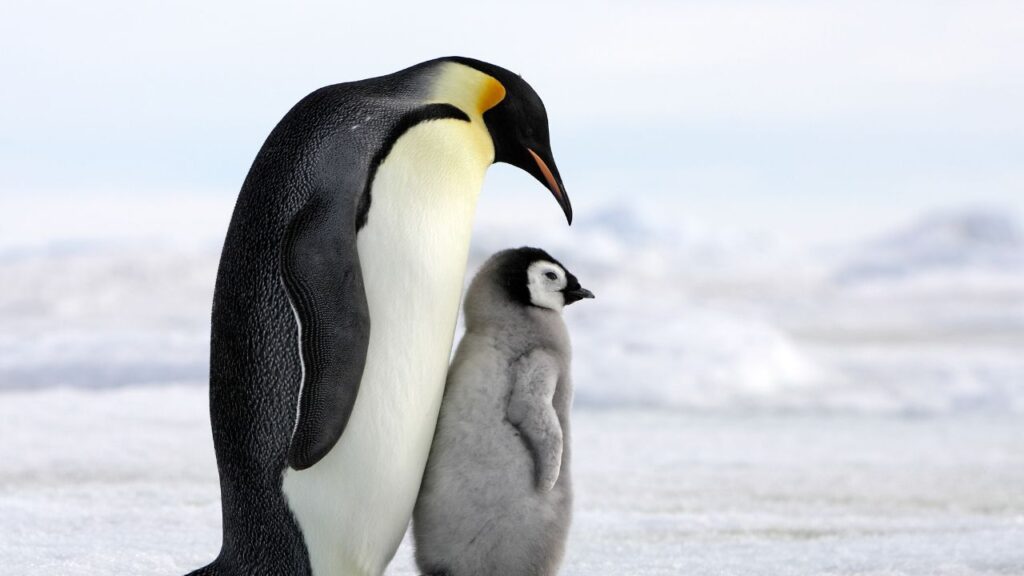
518,125
531,277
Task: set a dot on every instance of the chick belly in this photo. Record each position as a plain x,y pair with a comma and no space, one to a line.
479,511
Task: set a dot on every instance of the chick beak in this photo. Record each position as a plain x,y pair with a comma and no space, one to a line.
576,294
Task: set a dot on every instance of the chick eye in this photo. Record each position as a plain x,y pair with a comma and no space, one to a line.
551,275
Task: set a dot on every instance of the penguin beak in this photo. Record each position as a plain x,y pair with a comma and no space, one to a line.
576,294
549,176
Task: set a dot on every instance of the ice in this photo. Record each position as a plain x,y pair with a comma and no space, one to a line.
946,244
929,318
105,315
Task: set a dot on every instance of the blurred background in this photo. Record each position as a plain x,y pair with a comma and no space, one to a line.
802,222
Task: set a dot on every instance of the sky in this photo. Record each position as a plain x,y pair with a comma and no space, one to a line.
821,120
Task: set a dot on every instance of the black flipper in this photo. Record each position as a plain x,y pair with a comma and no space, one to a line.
321,272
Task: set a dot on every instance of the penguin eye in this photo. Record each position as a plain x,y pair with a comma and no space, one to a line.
551,275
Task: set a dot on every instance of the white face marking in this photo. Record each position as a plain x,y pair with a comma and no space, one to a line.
546,281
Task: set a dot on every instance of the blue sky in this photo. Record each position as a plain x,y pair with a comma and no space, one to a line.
831,118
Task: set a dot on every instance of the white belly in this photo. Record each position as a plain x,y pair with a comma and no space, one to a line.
354,505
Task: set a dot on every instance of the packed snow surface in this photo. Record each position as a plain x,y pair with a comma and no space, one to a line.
122,481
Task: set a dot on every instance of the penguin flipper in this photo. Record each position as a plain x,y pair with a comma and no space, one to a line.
530,410
321,273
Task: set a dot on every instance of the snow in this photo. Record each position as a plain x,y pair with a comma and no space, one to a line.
744,404
685,316
658,492
950,241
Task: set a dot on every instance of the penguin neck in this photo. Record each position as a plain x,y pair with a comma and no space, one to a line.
466,88
518,328
424,198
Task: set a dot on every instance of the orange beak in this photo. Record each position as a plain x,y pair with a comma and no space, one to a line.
553,185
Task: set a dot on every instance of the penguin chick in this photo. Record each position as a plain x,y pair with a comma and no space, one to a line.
496,495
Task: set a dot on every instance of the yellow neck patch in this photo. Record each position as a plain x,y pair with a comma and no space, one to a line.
491,94
470,90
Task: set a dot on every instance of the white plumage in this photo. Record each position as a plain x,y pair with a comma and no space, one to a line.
413,252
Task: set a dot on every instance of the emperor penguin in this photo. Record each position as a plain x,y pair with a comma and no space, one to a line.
335,308
496,496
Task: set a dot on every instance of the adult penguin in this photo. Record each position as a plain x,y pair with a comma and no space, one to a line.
335,308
